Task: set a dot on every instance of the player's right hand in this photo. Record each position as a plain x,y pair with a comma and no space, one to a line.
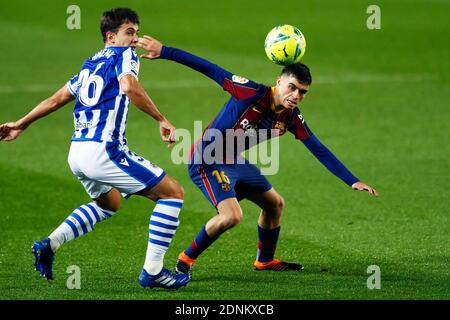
10,131
167,131
150,44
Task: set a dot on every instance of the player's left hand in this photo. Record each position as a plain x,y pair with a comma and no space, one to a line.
361,186
167,131
10,131
150,44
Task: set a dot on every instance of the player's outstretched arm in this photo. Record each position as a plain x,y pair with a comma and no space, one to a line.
139,97
10,131
157,50
302,132
238,87
329,160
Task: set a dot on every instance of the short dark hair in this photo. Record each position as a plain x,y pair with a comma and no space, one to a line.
299,71
112,20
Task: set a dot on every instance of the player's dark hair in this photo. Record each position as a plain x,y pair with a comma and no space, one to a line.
299,71
112,20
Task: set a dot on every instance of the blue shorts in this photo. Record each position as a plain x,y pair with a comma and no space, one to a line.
222,181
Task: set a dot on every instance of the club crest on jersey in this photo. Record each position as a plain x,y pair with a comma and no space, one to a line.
134,66
239,79
280,126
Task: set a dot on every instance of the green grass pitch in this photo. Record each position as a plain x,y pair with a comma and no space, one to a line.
379,100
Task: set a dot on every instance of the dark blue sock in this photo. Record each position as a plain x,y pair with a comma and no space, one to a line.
200,244
267,244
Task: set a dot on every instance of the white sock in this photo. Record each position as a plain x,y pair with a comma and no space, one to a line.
163,225
154,266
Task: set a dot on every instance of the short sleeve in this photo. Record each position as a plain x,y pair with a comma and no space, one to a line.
128,63
74,85
239,87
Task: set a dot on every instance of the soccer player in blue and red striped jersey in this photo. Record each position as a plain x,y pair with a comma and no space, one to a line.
252,109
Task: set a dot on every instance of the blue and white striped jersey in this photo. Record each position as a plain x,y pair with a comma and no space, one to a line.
101,108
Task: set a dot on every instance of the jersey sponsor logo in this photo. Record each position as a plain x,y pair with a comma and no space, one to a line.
300,116
239,79
83,125
248,128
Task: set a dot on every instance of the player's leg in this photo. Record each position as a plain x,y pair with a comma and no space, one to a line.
229,214
78,223
217,184
254,186
164,221
109,201
134,175
83,218
269,224
89,162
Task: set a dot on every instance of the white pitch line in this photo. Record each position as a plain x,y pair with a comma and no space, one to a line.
187,84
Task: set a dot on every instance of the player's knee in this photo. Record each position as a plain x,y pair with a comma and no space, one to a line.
279,205
232,218
176,191
276,208
109,201
115,207
110,206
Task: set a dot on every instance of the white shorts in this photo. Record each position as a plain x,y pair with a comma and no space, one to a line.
102,166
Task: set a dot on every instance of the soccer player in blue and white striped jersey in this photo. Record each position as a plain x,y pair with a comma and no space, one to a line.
99,156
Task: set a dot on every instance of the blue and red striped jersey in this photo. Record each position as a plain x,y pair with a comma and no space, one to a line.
250,113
